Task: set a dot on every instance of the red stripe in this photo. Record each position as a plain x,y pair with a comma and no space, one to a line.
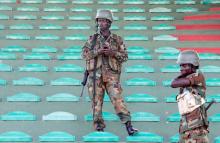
198,37
198,27
215,50
203,17
214,9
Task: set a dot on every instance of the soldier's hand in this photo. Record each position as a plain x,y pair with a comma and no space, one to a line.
100,51
109,52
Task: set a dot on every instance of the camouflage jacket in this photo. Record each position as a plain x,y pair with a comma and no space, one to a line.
115,42
198,117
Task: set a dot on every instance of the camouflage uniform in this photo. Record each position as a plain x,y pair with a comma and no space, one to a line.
193,126
108,72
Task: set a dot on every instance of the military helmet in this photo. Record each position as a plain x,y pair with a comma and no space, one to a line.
188,57
107,14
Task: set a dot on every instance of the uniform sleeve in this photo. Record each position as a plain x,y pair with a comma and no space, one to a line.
197,79
121,54
87,52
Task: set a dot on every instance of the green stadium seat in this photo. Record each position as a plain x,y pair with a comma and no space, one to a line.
3,82
217,139
59,116
50,26
7,56
5,68
114,27
210,68
33,68
77,37
31,1
113,9
159,2
214,118
62,97
65,81
28,81
81,9
106,98
144,137
15,136
80,18
139,69
215,97
144,116
167,83
21,27
133,2
78,27
57,136
139,56
8,1
2,27
17,36
210,2
4,17
73,49
137,49
57,1
28,8
25,17
134,9
140,82
5,8
47,37
68,68
54,9
135,18
136,37
70,56
108,2
44,49
165,38
100,137
52,17
171,99
209,56
141,97
24,97
160,10
184,2
213,82
187,9
170,69
18,116
166,50
163,27
135,27
174,117
13,48
174,139
168,56
162,18
106,116
36,56
82,2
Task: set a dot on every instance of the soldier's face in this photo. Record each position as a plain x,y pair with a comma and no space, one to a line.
186,69
104,24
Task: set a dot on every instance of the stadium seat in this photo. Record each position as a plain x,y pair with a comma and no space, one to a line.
137,49
28,81
162,18
33,68
113,9
163,27
62,97
134,18
171,98
136,37
23,97
210,2
135,27
79,37
68,68
170,68
215,97
82,2
133,2
64,81
106,116
57,136
2,27
25,17
213,82
73,49
7,56
210,68
18,116
108,2
44,49
13,48
100,137
21,27
81,9
214,118
50,26
217,139
80,18
166,83
190,2
141,97
4,17
144,137
31,1
5,68
8,1
59,116
144,116
140,82
160,10
78,27
139,69
69,56
133,10
187,9
174,117
165,38
36,56
175,138
57,1
52,17
158,2
15,136
139,56
28,9
3,82
166,50
47,37
106,98
17,36
5,8
168,56
54,9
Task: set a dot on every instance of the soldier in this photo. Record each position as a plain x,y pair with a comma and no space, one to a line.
193,125
104,54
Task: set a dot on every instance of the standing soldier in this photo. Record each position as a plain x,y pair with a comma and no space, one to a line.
193,125
104,54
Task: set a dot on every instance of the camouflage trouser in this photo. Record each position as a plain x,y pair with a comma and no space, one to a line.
198,135
114,90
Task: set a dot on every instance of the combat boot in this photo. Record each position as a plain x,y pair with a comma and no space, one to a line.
131,131
99,128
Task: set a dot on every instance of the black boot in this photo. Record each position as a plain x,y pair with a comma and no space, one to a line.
131,131
99,128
